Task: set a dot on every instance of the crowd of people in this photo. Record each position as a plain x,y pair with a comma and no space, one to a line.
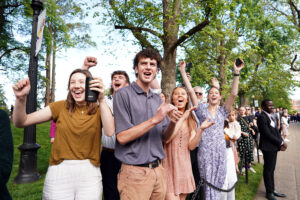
150,146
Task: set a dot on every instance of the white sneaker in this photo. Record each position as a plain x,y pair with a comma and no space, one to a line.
286,140
252,170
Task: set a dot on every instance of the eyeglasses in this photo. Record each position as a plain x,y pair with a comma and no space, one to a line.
198,93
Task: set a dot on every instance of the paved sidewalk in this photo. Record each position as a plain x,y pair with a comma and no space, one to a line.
287,173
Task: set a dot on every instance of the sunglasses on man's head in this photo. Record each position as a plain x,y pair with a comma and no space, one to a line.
198,93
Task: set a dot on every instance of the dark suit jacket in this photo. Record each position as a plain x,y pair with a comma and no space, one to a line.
6,154
270,138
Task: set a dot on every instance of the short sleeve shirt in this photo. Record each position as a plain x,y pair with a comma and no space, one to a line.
132,106
77,135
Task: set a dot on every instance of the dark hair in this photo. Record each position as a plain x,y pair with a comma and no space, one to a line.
118,72
192,123
264,102
71,104
226,124
147,53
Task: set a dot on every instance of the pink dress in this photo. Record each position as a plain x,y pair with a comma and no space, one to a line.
178,166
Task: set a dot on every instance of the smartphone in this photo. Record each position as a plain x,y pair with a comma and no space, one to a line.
238,62
90,95
188,67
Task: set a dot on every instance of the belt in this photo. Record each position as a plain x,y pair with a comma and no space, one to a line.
107,149
151,165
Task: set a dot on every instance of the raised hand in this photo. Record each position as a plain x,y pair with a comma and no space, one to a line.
239,68
206,124
21,88
182,66
89,62
215,83
97,85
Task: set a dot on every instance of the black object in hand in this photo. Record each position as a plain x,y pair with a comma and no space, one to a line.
90,95
188,67
238,62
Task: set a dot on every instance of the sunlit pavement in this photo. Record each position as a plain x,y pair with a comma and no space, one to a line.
287,173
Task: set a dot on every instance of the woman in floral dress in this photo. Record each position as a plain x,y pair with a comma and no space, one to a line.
212,149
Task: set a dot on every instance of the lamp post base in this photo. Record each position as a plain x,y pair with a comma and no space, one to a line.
28,164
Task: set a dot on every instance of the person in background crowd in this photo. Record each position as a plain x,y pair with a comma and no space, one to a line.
185,137
258,112
162,97
245,144
253,127
75,155
141,123
199,93
276,116
270,143
231,177
285,125
253,111
212,149
110,165
235,134
6,154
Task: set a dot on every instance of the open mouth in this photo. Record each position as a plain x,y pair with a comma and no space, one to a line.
117,85
77,93
147,74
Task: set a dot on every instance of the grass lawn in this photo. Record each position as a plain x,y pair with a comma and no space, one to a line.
30,191
33,191
245,191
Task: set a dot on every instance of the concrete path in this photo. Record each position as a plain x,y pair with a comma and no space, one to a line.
287,173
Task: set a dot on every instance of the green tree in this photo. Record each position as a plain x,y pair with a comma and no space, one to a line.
64,29
163,25
289,10
244,29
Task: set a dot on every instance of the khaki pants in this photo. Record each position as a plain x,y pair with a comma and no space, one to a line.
141,183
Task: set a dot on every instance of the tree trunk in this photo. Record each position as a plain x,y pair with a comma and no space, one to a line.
48,67
168,81
242,98
171,28
53,68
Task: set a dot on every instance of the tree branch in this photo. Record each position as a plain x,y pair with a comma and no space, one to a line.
140,29
137,33
293,67
188,34
9,50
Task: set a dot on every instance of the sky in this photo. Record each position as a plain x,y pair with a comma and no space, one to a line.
116,55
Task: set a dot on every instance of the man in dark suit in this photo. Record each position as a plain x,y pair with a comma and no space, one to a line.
270,143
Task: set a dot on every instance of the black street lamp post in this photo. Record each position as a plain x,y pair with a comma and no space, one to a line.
28,161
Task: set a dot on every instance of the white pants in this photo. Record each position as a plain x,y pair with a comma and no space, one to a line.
73,179
231,177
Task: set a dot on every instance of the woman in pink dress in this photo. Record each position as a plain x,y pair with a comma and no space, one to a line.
185,137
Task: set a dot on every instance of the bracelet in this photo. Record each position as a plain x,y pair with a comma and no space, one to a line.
236,74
